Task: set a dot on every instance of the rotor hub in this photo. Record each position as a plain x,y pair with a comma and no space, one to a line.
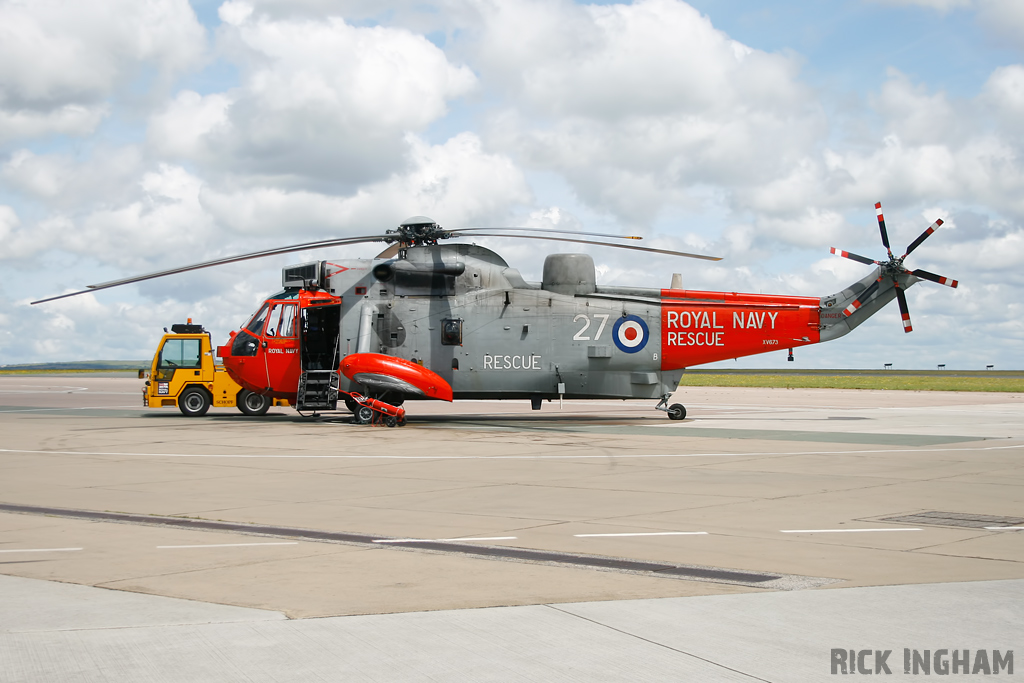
419,231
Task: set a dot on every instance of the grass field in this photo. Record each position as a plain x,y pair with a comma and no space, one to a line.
897,380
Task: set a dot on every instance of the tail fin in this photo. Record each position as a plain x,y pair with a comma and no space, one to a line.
834,319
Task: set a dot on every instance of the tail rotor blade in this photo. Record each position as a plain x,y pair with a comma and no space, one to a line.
864,296
924,235
925,275
904,311
882,227
852,256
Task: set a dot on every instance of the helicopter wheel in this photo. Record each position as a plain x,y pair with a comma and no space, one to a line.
253,404
352,404
364,415
676,411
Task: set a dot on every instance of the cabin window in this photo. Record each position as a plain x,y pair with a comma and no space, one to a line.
451,332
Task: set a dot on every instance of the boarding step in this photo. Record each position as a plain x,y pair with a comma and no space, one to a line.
318,390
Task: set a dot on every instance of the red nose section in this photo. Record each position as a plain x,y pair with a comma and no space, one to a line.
386,373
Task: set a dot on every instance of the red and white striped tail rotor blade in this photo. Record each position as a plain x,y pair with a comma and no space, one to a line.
855,257
864,296
925,275
904,310
881,227
924,235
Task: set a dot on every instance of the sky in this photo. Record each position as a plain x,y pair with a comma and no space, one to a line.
137,136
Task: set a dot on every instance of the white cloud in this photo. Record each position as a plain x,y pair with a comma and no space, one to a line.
1005,19
179,128
321,101
60,59
68,119
456,183
64,181
645,100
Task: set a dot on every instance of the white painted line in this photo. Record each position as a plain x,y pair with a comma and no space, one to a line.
653,533
444,540
618,456
225,545
838,531
1005,528
40,550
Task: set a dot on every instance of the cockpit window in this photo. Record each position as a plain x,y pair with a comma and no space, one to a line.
255,324
282,321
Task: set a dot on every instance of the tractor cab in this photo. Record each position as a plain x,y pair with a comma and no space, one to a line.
288,349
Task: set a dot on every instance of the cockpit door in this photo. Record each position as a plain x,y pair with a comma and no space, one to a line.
281,347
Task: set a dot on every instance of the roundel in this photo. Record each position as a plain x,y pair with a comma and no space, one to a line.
630,334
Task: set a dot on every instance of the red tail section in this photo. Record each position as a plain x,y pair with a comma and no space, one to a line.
702,327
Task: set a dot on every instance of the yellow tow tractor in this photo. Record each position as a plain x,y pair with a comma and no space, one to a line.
184,374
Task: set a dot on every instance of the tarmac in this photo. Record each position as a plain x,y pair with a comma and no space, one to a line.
484,541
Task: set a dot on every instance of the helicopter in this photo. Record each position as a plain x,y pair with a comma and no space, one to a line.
427,319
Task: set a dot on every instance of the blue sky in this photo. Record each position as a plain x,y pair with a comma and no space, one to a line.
137,136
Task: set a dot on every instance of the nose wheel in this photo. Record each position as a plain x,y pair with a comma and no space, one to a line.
676,411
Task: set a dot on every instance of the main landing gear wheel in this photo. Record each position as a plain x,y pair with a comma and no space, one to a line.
676,411
194,402
364,415
252,404
352,405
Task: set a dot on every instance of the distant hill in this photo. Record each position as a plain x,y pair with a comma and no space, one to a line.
83,365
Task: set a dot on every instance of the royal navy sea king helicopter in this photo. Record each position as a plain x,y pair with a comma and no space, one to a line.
428,319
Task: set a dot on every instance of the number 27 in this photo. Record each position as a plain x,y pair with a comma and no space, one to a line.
586,325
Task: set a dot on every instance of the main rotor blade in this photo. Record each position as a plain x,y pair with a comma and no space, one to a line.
222,261
855,257
563,232
881,227
924,235
904,310
864,296
603,244
925,275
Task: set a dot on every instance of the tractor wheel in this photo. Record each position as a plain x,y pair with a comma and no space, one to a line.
194,402
676,411
252,404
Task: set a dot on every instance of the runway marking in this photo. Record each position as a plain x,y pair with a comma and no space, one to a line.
443,540
40,550
225,545
651,533
838,531
617,456
1005,528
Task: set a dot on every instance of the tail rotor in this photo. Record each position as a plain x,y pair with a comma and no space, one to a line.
892,269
